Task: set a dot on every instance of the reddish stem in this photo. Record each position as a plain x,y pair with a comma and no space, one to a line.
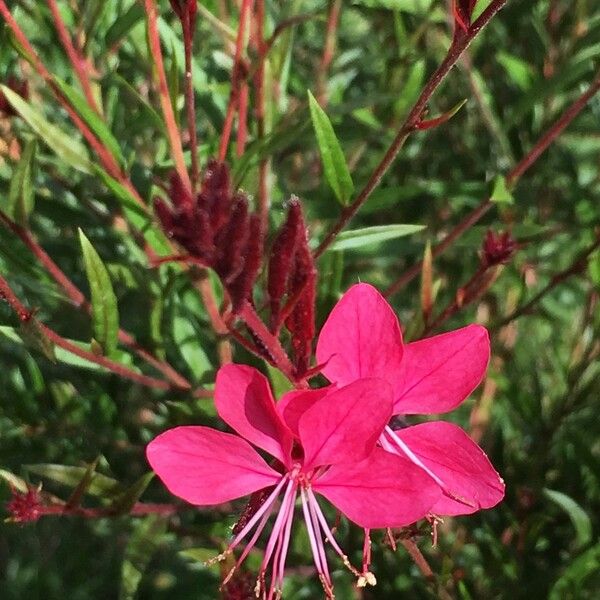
460,42
139,509
242,132
77,61
188,40
335,7
512,179
79,300
165,97
236,77
25,315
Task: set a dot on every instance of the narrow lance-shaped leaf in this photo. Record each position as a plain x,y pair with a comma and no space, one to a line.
334,162
580,519
70,150
427,283
83,485
21,191
372,235
92,119
127,500
105,315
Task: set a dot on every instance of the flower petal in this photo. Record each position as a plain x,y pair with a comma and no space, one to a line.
244,401
384,490
345,424
295,403
204,466
439,372
361,338
459,462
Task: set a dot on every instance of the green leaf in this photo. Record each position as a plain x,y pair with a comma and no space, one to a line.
571,584
416,7
14,481
123,504
105,315
83,486
372,235
334,162
92,119
279,382
124,24
100,486
70,150
147,535
21,193
187,341
581,521
500,192
594,268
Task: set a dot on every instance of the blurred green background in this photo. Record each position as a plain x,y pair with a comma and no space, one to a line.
537,413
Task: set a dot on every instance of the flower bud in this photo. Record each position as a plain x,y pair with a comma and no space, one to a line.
497,249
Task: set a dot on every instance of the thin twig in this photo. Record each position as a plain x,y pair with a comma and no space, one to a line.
512,179
335,7
460,42
165,97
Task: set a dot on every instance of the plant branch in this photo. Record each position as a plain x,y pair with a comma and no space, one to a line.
575,268
460,42
335,7
75,57
512,179
165,98
26,315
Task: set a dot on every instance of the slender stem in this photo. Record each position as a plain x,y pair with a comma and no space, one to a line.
139,509
80,301
575,268
75,57
335,7
242,131
25,315
260,111
188,40
512,179
165,97
460,42
236,77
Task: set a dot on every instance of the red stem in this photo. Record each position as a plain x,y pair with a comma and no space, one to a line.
460,42
139,509
236,77
165,98
26,315
77,61
188,40
512,179
335,7
242,132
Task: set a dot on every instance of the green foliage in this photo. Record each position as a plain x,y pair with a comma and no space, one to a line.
536,416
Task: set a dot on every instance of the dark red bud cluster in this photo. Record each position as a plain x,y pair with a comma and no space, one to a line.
20,87
24,507
216,229
497,248
463,12
292,274
241,586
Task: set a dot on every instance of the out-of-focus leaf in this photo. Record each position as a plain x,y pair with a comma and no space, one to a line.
14,481
500,192
123,503
21,192
93,120
372,235
83,486
147,535
105,314
518,70
100,486
34,337
581,521
334,163
279,382
415,7
187,340
123,24
70,150
574,578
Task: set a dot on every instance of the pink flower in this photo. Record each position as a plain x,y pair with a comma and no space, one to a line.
324,442
362,338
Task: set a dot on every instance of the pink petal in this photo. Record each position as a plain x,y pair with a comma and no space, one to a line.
361,338
382,491
204,466
244,401
295,403
439,372
459,462
345,424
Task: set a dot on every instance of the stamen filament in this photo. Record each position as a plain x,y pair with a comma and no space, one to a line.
317,557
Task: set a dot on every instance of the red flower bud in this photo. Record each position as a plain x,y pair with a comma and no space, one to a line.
232,240
24,507
497,249
282,254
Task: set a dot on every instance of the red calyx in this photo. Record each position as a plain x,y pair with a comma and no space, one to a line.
497,248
